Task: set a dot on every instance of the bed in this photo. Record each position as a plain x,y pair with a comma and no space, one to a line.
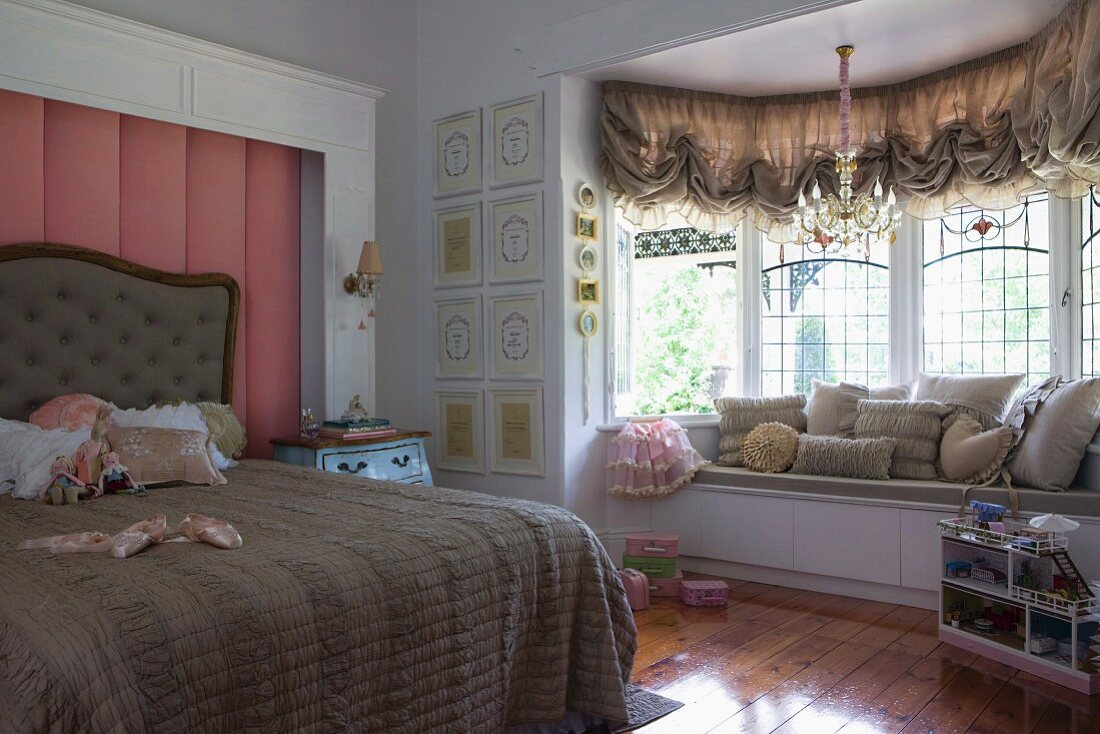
353,606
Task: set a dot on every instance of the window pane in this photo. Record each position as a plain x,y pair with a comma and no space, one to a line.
834,315
1090,284
987,291
683,322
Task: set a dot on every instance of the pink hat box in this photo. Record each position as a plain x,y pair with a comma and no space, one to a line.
666,587
704,593
654,545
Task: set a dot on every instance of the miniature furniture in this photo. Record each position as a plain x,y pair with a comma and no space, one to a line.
1023,603
397,458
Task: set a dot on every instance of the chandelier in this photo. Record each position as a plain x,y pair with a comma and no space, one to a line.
836,222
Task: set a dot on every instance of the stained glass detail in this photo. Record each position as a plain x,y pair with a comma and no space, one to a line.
682,241
987,291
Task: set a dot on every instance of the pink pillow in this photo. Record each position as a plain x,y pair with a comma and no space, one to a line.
69,412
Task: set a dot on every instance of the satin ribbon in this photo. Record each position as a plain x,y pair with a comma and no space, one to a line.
194,528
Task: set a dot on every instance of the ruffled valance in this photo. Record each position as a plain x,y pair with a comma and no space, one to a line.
985,132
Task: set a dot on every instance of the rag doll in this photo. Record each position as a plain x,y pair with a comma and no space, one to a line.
64,487
115,477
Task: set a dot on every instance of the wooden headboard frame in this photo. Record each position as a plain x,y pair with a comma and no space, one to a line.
80,317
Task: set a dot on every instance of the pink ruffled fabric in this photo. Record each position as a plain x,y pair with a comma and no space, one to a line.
648,460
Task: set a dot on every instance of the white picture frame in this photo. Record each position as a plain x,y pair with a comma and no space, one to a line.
515,239
516,427
458,246
457,154
460,427
517,141
459,339
517,336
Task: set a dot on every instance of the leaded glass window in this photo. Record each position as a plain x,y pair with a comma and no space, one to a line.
823,317
1090,284
682,286
987,291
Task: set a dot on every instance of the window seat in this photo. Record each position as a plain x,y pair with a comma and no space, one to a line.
1076,502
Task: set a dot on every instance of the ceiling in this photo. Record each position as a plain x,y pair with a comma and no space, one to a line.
894,39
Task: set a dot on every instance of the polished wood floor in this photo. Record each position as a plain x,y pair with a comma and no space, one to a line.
801,662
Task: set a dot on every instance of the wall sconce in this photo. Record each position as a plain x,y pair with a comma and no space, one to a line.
367,278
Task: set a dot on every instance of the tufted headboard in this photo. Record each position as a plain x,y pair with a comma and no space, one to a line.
77,320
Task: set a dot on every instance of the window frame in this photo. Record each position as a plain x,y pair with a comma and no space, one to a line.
906,315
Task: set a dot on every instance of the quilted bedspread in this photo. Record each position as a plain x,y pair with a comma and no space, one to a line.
353,606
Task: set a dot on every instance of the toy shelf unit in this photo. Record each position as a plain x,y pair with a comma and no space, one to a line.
1012,594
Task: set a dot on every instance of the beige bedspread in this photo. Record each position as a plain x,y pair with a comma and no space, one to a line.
353,606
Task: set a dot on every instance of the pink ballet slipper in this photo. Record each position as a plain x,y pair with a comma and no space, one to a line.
139,536
92,542
202,529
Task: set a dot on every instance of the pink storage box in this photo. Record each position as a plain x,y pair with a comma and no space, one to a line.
666,587
637,588
654,545
704,593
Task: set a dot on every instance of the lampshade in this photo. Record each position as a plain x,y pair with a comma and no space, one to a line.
370,259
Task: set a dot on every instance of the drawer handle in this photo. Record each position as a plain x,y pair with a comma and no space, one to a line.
655,549
343,466
653,587
401,463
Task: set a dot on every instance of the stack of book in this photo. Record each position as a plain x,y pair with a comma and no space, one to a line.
349,430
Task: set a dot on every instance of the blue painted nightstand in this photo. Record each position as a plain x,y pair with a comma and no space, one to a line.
397,458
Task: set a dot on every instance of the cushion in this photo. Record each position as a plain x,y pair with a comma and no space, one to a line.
770,448
854,458
158,455
832,407
916,426
1026,402
225,430
741,415
70,412
26,452
184,416
983,397
970,455
1056,436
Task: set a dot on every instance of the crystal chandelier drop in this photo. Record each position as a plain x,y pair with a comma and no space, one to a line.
835,223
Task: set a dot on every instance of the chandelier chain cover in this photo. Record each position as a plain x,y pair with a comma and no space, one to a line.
835,223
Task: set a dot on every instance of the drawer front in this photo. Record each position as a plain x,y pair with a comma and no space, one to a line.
394,462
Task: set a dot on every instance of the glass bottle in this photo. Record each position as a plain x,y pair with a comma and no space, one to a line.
308,426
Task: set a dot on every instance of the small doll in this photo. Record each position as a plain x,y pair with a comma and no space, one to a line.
116,478
63,487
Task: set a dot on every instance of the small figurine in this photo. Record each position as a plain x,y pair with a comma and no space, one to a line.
64,487
116,478
355,412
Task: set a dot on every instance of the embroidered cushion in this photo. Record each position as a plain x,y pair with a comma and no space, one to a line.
158,455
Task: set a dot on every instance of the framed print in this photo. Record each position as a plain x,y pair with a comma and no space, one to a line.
517,337
587,226
458,352
516,238
588,291
586,195
458,246
460,426
458,154
588,259
517,142
588,323
516,427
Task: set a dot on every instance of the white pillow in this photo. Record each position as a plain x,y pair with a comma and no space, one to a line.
26,455
182,417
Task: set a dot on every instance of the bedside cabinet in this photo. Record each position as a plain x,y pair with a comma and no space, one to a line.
397,458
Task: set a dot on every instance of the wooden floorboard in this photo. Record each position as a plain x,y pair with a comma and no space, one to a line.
785,661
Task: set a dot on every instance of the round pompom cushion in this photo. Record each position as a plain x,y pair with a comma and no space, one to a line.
770,448
69,412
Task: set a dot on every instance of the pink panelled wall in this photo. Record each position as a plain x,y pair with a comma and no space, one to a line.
176,199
